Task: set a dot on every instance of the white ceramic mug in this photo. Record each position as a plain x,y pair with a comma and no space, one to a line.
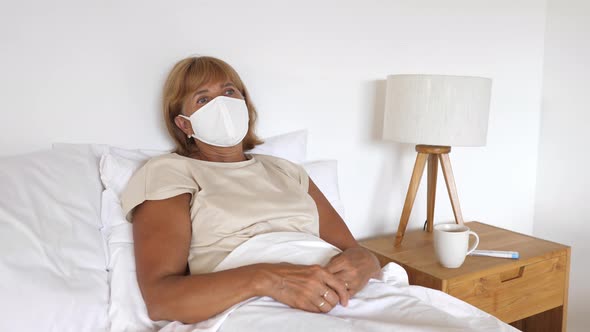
451,242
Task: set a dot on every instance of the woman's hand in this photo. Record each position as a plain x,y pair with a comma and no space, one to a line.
307,287
354,266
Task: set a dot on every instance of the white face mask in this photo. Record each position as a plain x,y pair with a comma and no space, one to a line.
221,122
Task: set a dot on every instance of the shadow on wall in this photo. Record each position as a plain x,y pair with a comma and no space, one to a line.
392,182
378,110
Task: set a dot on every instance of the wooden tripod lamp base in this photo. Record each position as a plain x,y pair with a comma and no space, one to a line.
433,154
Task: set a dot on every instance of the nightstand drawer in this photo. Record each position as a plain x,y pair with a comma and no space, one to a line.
518,292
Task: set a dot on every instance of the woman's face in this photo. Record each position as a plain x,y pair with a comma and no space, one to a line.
208,92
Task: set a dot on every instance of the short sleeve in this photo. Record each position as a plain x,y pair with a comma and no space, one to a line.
292,170
303,177
158,179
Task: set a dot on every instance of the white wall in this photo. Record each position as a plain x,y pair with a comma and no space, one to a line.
562,210
91,71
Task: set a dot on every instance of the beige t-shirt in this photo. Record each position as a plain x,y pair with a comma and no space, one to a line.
231,202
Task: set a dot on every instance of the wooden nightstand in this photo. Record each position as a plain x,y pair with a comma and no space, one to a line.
529,293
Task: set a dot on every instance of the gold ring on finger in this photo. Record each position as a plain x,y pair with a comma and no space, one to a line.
326,293
346,285
321,304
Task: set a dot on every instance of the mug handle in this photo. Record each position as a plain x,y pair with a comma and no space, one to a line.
475,244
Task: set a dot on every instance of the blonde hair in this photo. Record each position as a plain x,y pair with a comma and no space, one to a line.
185,78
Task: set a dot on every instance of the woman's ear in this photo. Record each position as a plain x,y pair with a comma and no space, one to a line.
184,125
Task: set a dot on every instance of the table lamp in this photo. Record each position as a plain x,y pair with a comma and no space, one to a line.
435,112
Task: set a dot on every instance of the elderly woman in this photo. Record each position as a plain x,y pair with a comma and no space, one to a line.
200,203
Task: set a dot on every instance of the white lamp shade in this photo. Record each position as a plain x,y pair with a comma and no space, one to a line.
437,109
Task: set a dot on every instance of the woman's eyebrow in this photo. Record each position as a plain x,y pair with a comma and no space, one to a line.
199,92
205,90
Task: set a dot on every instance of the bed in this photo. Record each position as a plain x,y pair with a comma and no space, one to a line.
67,259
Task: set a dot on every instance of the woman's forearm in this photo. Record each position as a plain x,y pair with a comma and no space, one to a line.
195,298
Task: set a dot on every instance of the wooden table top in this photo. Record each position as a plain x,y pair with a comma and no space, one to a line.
417,251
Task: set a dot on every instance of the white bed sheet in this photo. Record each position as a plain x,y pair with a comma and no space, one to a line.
387,304
52,261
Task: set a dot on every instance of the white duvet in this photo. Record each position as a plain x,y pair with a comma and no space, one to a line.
387,304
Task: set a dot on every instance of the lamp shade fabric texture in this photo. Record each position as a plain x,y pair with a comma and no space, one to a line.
437,109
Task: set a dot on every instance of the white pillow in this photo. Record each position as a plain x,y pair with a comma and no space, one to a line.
52,262
291,146
324,174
